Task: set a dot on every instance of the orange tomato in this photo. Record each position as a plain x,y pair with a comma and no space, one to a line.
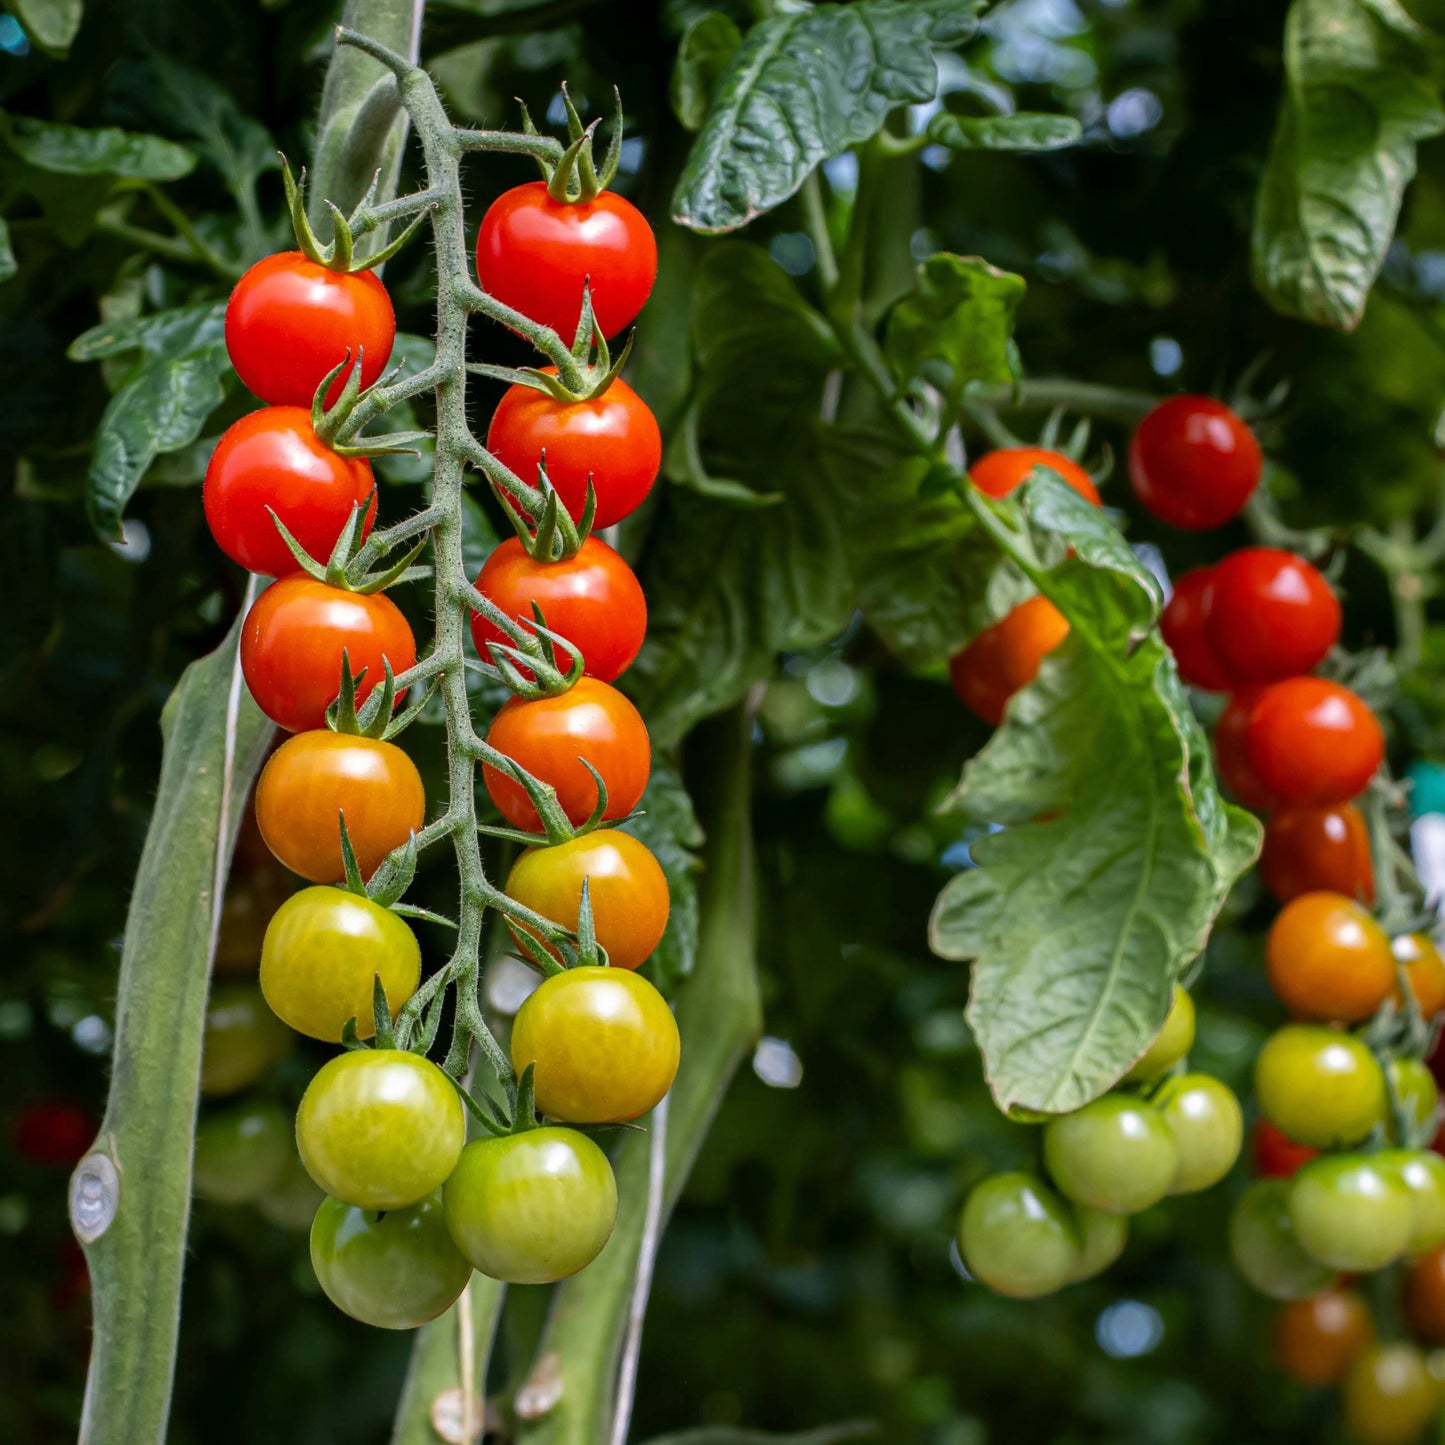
1316,1339
1328,959
1006,657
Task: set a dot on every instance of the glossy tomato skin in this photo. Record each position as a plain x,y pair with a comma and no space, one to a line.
54,1133
293,639
380,1128
312,778
241,1150
1175,1040
1183,625
1102,1237
1208,1128
1351,1213
1321,1087
242,1042
1265,1249
393,1271
1424,971
1231,759
1328,960
272,461
534,253
1312,742
1272,615
997,473
323,950
549,737
1116,1154
604,1043
1274,1154
1389,1395
1193,463
1005,657
1425,1295
612,438
1310,850
290,321
1316,1339
1018,1236
592,599
1418,1094
1422,1172
532,1208
625,886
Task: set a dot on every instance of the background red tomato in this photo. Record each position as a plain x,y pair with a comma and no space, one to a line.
1311,849
997,473
1231,759
1183,623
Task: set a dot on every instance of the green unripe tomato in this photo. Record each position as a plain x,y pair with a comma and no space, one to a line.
1422,1172
1018,1237
1388,1395
240,1152
1175,1040
1102,1238
292,1201
1320,1086
1265,1249
534,1207
395,1270
1351,1214
1208,1128
243,1039
380,1128
1116,1154
1419,1097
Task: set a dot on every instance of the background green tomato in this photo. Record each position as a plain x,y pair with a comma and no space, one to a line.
1422,1172
1265,1249
1018,1237
534,1207
1349,1213
1102,1238
240,1152
395,1270
1388,1395
292,1201
1419,1097
243,1039
380,1128
1175,1040
1208,1128
1115,1154
1322,1087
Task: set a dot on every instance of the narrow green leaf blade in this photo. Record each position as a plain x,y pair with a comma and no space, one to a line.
1023,132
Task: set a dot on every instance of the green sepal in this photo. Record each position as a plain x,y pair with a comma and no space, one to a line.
525,1115
354,881
395,874
537,952
398,722
590,953
414,910
381,1014
339,255
488,1116
349,1039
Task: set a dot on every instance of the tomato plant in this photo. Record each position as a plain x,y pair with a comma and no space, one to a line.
242,1042
1208,1128
1266,1248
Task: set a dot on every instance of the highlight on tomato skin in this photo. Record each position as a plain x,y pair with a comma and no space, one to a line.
1184,627
1312,742
1194,463
1271,615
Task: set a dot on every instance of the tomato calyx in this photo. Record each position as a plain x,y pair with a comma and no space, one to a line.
340,254
575,176
348,567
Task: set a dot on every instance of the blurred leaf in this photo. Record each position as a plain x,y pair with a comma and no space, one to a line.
8,265
165,333
707,45
73,151
670,829
802,87
733,1435
51,24
1023,132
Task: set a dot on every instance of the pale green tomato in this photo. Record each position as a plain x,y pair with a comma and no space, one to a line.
240,1152
243,1039
1208,1128
1320,1086
1419,1095
1018,1237
1422,1171
1265,1249
1351,1214
1116,1154
1102,1238
292,1201
1175,1040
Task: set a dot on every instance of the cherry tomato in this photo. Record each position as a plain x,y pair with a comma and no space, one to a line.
1312,850
1389,1395
243,1039
1321,1087
1175,1040
534,253
1422,1172
380,1128
1424,971
241,1151
312,778
613,439
1264,1247
54,1133
625,886
1272,615
1312,742
1183,626
550,736
1275,1154
1193,463
1418,1093
1116,1154
1231,760
1208,1128
1018,1237
592,599
1328,959
1315,1339
997,473
323,951
292,643
290,321
1425,1294
393,1271
1102,1238
1351,1213
1005,657
604,1043
532,1208
272,461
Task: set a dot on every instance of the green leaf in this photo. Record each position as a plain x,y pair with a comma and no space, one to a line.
1024,132
51,24
1116,851
71,150
707,45
804,86
960,317
1359,95
670,829
8,264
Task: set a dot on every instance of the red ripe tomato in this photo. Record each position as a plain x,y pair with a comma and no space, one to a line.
1312,742
272,459
1183,627
1275,1154
612,438
290,321
592,599
1006,657
997,473
550,736
1309,850
1193,462
1273,615
293,639
53,1133
1231,760
534,253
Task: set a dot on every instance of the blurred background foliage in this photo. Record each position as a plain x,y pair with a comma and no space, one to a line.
807,1276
